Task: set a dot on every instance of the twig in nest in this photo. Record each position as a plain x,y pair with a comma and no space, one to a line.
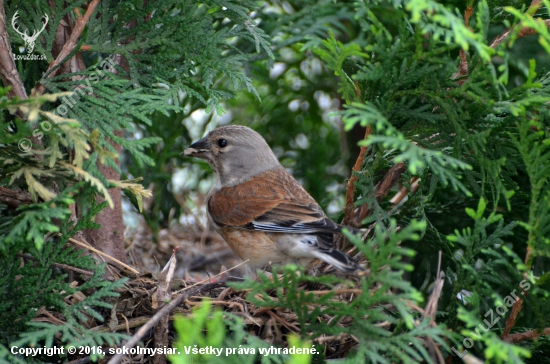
159,299
216,302
130,324
153,320
431,310
81,361
323,339
86,246
286,324
164,289
59,265
50,318
338,291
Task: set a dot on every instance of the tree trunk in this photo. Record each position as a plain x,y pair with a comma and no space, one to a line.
109,238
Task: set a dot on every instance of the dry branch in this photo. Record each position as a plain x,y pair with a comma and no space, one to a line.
354,216
338,291
431,311
518,305
531,334
393,175
14,199
463,65
69,46
349,217
283,322
524,32
8,71
533,8
81,361
511,320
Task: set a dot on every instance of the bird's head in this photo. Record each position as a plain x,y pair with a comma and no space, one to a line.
236,153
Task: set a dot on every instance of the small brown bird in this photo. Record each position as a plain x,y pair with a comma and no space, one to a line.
260,210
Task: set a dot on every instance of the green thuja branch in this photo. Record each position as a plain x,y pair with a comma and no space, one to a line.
533,144
26,298
211,328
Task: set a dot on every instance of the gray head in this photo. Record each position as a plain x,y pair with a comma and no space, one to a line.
236,153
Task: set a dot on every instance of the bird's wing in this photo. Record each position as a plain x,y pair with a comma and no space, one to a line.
272,201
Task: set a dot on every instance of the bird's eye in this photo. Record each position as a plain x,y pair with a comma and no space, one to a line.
222,143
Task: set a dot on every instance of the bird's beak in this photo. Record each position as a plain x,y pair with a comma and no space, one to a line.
198,149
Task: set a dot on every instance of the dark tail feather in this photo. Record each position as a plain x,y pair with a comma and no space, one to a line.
339,260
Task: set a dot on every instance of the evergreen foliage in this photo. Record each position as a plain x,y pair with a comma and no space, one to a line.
207,328
475,139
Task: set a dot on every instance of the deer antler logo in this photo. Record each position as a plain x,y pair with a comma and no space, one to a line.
29,39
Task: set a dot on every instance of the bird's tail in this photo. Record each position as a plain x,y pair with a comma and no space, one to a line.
339,260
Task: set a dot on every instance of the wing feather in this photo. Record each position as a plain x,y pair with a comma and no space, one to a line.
273,201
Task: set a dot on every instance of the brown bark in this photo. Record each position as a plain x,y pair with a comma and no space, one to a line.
72,65
109,238
62,36
531,334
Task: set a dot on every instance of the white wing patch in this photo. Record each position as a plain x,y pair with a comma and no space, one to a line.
296,228
303,246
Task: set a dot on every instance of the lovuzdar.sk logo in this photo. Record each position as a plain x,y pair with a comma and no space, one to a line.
30,40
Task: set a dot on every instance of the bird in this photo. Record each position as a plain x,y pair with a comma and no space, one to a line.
259,208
